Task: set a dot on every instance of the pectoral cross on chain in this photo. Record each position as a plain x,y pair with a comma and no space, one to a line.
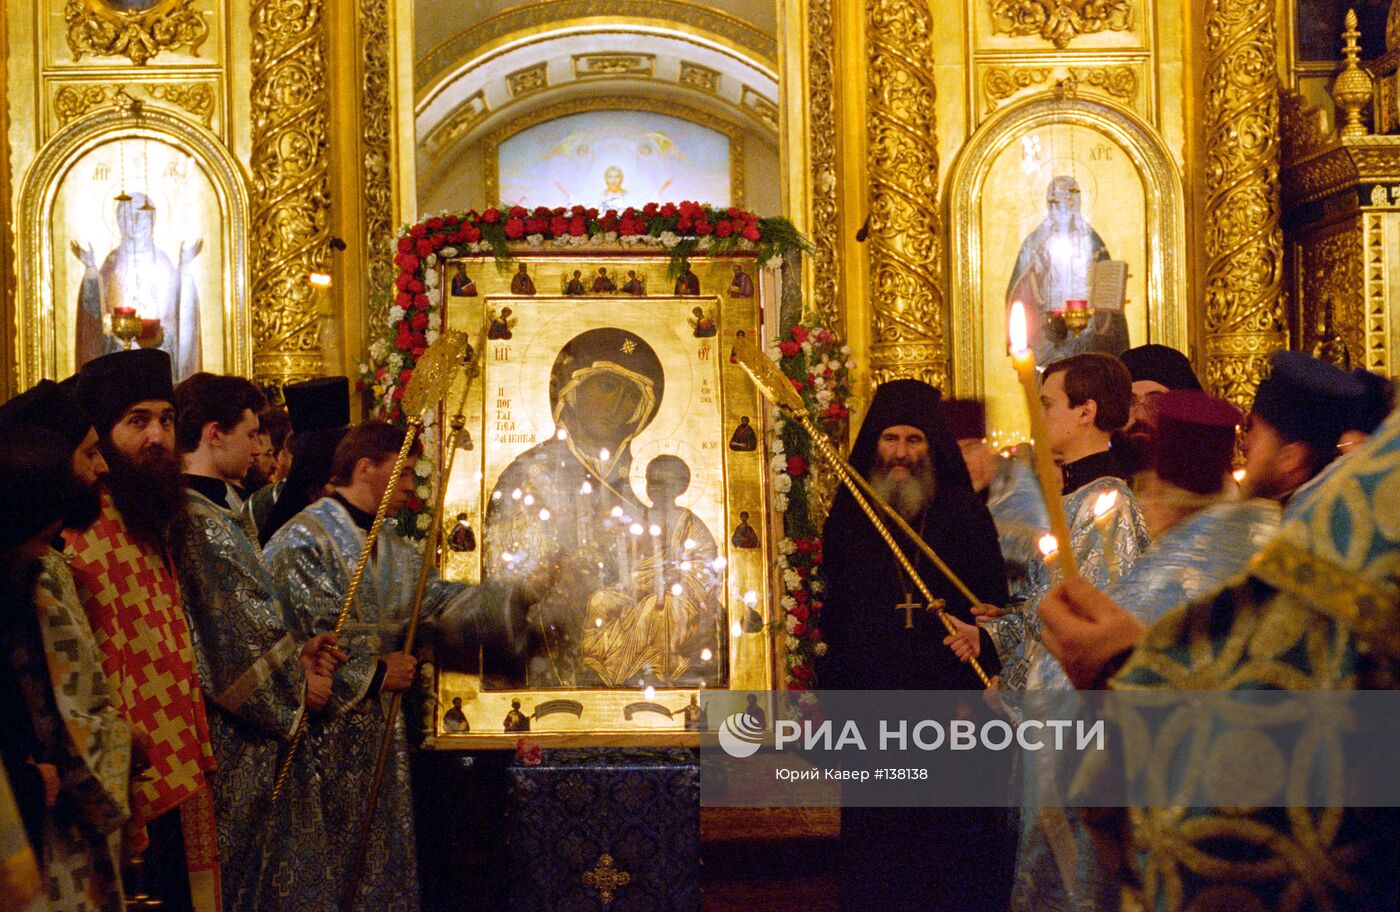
910,607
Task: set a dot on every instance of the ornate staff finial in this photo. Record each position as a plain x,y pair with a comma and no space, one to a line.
1352,89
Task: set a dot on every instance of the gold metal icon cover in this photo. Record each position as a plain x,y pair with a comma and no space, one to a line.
616,467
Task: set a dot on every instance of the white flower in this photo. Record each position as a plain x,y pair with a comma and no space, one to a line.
422,468
778,464
816,586
788,602
610,237
396,315
807,347
705,242
481,246
782,483
780,503
423,520
851,365
789,621
823,395
449,252
577,239
774,352
422,491
377,349
431,335
791,580
430,279
432,259
845,349
534,240
773,262
820,649
793,644
786,546
669,239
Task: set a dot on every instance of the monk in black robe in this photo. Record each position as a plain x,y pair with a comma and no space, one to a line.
913,858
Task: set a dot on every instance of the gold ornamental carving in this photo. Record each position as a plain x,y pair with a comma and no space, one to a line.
97,28
821,114
906,247
632,66
528,81
1118,82
377,139
699,77
1243,240
1060,21
1332,302
1000,83
1351,91
751,100
73,101
468,114
290,187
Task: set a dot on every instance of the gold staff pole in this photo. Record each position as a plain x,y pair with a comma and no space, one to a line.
416,397
776,388
430,552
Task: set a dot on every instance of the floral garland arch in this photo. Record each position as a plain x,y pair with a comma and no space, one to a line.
811,356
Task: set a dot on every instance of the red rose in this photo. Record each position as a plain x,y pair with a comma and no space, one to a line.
434,223
405,374
689,207
418,231
704,228
402,280
798,611
515,229
420,301
799,333
577,226
403,299
491,216
751,233
425,247
418,342
649,210
724,229
558,225
536,225
470,233
799,630
802,673
518,212
683,225
796,466
405,245
419,320
414,285
453,221
590,213
407,262
415,503
397,394
668,210
789,348
577,210
816,636
798,385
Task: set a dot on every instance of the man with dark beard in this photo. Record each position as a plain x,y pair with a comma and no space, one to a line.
912,858
1155,369
129,589
83,734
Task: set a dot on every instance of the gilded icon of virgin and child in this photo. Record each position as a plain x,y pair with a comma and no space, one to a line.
1054,265
639,600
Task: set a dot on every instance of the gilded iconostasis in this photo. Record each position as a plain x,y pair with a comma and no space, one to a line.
1179,169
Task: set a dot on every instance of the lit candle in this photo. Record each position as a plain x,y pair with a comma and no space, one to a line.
1103,521
1049,477
1077,304
1238,475
1048,549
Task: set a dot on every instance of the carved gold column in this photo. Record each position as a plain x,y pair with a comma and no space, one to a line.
825,224
1243,241
8,299
290,186
905,243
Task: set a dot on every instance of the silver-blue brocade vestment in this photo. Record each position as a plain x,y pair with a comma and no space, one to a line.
1196,556
1018,509
312,559
254,684
1057,864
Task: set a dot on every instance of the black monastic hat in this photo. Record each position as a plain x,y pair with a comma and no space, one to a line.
916,404
319,404
49,405
1162,364
111,384
1370,409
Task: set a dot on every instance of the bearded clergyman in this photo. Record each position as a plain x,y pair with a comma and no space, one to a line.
882,635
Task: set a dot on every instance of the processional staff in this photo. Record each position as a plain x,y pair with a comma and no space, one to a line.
459,353
426,388
777,389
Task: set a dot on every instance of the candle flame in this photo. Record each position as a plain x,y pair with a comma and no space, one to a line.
1016,331
1048,544
1104,505
320,279
1238,475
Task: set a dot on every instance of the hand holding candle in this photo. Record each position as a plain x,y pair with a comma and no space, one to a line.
1103,521
1046,473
